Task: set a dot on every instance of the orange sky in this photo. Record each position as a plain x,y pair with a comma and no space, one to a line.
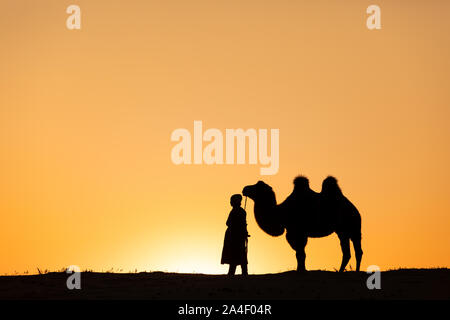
86,118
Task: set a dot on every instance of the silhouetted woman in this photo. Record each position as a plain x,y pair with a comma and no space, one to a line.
234,250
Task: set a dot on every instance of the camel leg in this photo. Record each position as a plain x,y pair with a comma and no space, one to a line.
300,254
345,247
358,251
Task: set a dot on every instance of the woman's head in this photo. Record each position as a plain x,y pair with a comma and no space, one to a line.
236,200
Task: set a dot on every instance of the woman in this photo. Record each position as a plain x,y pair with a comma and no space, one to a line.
234,250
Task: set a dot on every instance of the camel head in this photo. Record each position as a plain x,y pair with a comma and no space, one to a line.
258,191
266,212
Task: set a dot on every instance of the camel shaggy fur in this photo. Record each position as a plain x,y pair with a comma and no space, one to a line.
308,214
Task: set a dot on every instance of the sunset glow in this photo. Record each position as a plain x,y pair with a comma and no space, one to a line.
86,118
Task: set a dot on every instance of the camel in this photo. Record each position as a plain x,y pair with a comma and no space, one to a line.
308,214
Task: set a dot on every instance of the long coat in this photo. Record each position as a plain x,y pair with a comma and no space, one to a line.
234,246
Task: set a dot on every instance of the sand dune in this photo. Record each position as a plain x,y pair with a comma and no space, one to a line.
398,284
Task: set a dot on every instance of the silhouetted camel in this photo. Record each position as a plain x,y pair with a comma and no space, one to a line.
305,214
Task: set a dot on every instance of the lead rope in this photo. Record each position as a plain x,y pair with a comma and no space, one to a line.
246,238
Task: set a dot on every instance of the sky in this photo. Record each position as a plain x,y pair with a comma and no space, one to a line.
86,117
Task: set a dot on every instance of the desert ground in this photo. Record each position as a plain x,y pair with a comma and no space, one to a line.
325,285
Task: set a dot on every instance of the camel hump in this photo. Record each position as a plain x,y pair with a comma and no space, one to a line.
330,187
301,183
